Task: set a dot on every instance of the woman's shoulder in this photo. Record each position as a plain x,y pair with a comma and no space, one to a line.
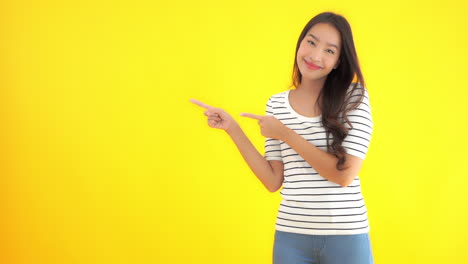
356,91
280,95
355,87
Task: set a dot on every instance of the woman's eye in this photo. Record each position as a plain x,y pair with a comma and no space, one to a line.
330,51
311,42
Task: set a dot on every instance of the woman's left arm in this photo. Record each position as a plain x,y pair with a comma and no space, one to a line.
356,144
323,162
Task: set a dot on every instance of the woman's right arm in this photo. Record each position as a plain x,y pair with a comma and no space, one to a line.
270,173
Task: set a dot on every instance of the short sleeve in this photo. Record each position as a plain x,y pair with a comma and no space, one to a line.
272,145
357,141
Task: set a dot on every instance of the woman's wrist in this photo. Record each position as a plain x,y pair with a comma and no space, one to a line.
285,134
233,129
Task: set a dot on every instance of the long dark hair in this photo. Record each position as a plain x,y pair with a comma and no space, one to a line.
336,91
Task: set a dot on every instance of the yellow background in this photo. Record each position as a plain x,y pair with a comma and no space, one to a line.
105,160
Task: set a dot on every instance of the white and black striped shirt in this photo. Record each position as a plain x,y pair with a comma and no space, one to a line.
310,203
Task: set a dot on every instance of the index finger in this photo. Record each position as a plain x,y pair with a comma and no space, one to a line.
258,117
201,104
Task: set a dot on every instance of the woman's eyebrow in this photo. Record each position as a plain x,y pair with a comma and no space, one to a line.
329,44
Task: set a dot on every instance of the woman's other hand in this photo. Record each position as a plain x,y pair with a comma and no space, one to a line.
217,117
270,126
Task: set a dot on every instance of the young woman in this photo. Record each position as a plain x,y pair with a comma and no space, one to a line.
317,136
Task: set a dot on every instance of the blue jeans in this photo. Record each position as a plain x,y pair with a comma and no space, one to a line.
293,248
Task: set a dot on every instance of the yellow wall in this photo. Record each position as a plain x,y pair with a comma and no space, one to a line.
105,160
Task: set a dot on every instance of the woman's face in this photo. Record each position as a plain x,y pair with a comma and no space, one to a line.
319,51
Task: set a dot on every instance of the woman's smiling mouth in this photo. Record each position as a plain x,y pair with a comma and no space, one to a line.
312,66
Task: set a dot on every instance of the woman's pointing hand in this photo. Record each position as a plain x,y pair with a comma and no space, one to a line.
270,126
217,117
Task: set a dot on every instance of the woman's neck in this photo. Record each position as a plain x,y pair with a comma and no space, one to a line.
310,87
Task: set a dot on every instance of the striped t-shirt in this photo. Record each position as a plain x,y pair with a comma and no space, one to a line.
310,203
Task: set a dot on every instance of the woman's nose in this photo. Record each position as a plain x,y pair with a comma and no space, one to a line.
315,55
